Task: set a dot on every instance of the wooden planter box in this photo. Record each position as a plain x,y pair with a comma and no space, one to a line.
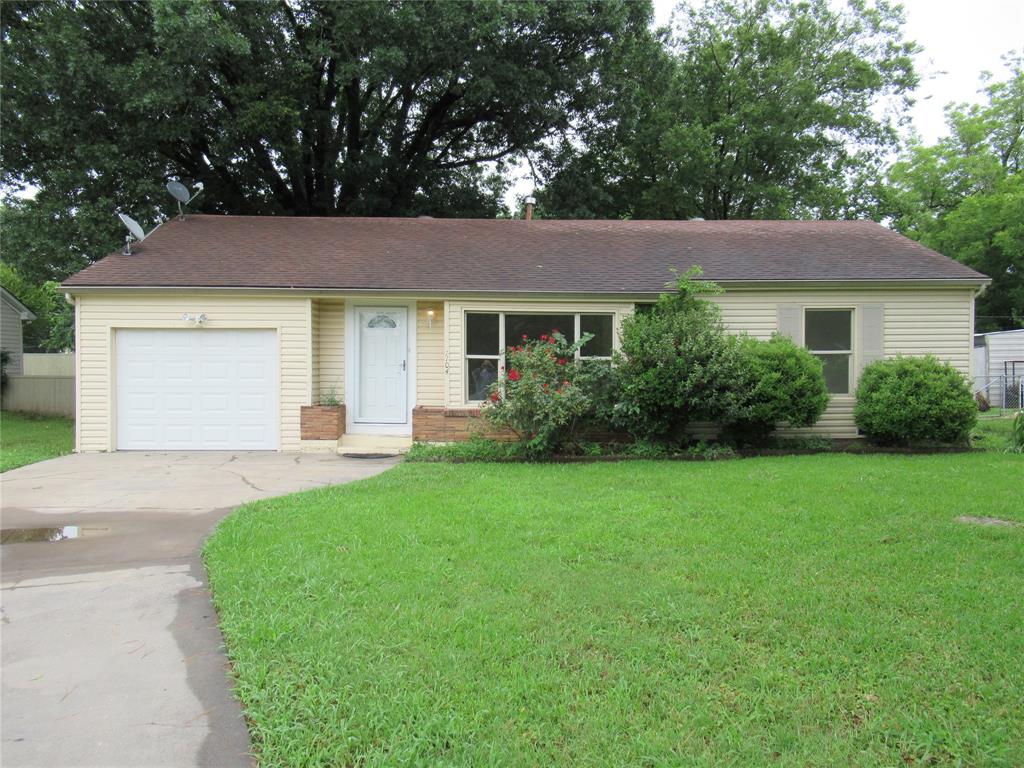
322,422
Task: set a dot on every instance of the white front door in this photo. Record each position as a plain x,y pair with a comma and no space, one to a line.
382,361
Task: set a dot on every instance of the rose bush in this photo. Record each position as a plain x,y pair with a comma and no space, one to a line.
540,398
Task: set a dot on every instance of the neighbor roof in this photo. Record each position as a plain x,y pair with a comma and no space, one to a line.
14,301
495,255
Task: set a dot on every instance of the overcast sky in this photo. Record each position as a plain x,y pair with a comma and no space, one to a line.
961,38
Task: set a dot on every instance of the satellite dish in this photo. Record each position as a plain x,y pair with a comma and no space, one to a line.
182,194
178,191
133,226
136,230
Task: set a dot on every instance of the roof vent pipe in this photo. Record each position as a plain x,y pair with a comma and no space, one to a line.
530,202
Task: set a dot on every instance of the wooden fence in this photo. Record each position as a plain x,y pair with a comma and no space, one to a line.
40,394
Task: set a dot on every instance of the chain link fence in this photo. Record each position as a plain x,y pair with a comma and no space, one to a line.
1001,393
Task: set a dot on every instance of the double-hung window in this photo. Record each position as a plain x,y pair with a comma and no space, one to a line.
828,335
489,334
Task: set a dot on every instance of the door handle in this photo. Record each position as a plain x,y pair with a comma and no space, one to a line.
403,365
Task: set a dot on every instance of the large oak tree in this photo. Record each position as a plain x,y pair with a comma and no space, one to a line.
294,107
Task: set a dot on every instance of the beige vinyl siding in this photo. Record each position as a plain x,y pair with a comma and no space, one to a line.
916,322
331,346
99,315
430,353
314,346
11,336
455,328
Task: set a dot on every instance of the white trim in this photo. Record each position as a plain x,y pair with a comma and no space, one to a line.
440,294
351,372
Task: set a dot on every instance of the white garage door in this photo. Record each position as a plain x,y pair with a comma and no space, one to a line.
201,389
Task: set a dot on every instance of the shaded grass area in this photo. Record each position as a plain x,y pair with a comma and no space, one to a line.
812,610
993,433
27,438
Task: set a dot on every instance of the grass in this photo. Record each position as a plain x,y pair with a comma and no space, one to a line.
993,433
798,611
27,438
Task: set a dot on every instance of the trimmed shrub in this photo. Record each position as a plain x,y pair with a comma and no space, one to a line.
677,365
782,382
914,401
540,398
1017,433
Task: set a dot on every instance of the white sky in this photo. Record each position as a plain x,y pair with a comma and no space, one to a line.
960,38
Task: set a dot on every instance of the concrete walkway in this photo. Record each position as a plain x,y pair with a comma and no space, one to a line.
111,651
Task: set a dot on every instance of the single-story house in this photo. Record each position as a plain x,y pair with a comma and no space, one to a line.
12,314
220,332
999,367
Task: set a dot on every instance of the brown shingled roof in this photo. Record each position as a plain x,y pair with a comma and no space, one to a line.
491,255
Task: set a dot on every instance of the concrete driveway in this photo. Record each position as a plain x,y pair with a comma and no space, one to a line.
111,651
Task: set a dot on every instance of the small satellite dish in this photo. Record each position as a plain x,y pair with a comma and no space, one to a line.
133,226
178,191
136,230
182,194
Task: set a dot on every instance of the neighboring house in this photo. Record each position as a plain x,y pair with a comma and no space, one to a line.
12,314
999,367
217,330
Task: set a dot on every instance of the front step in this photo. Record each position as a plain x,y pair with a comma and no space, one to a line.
374,443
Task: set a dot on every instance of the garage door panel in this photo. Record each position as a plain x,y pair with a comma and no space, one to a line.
202,389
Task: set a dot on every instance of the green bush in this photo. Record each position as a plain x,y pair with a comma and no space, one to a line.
677,365
541,398
913,401
1017,433
781,382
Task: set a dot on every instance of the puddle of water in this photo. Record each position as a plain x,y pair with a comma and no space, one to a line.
61,533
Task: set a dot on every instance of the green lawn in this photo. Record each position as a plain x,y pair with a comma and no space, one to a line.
26,438
993,433
801,611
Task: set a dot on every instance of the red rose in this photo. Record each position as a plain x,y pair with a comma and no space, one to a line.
565,383
561,361
513,375
543,337
495,397
524,337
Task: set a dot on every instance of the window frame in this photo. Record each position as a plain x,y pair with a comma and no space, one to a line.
500,357
850,353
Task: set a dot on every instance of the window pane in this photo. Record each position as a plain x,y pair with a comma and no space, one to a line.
827,329
533,326
601,327
480,374
837,373
481,334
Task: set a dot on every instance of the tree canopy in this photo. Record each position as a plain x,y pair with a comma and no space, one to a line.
294,107
964,196
762,109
